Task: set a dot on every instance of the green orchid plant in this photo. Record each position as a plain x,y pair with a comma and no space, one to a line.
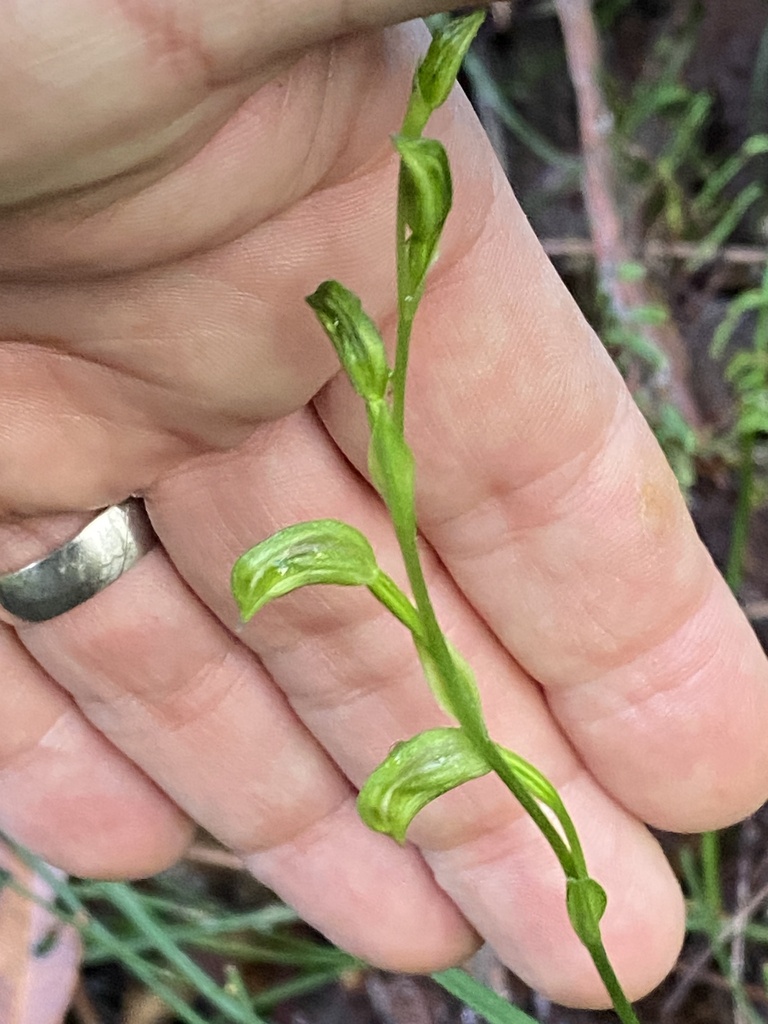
422,768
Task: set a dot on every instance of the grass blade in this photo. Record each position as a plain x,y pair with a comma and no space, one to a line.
480,998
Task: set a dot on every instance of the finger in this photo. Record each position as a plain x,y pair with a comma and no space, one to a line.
164,80
66,793
109,383
193,708
350,672
144,192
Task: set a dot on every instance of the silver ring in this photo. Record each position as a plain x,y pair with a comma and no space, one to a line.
107,547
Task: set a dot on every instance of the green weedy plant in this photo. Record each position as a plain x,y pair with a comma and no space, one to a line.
687,192
747,371
424,767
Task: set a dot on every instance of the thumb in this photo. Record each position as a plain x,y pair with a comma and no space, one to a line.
100,97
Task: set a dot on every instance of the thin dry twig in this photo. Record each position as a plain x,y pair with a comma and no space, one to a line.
715,980
582,48
209,855
657,249
756,611
502,12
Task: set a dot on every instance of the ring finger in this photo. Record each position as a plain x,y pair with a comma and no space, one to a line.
181,697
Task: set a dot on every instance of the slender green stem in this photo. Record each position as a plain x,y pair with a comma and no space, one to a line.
146,972
400,499
423,623
571,860
298,986
406,309
470,718
734,572
621,1004
393,463
530,806
484,85
247,950
710,870
712,925
484,1001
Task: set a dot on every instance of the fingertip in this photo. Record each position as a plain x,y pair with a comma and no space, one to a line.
370,897
512,889
643,931
422,951
678,735
105,840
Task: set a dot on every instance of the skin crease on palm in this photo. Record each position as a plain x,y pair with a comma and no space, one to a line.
174,178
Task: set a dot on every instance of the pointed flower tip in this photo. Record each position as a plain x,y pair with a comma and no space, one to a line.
355,338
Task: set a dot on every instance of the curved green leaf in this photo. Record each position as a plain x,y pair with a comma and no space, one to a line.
390,463
321,551
414,774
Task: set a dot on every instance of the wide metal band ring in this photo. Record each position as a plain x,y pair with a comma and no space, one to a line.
103,550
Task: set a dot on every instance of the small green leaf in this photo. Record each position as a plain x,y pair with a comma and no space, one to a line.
355,338
321,551
586,901
385,589
437,72
631,271
653,315
414,774
756,145
426,194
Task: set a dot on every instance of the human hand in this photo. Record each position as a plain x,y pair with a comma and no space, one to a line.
166,209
